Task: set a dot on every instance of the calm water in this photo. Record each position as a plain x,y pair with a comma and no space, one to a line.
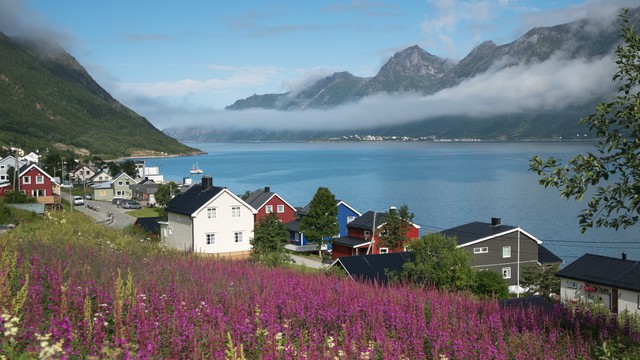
444,184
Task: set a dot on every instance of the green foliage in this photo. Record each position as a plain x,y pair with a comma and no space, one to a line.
438,262
614,171
129,167
17,197
541,280
490,284
48,99
270,236
396,225
166,192
321,222
11,215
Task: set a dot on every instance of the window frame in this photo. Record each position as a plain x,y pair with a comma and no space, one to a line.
506,272
238,237
481,250
39,179
210,238
26,179
506,248
280,209
268,209
236,212
210,211
384,250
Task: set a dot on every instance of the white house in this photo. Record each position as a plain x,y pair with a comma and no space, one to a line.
6,163
612,282
208,219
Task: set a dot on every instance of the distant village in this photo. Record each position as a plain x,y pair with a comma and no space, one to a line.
208,218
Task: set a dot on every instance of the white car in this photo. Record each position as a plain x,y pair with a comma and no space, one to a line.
77,200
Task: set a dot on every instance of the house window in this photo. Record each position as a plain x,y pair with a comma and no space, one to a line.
120,183
237,236
235,211
350,219
119,192
39,179
506,273
26,179
42,192
506,251
268,209
280,209
481,250
638,301
384,250
367,233
211,213
572,285
211,239
3,177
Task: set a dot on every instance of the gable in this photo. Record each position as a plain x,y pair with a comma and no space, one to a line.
373,268
348,207
476,232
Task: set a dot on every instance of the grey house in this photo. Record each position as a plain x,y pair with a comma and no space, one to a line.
502,248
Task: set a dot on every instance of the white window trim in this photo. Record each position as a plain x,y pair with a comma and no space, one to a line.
233,212
39,179
212,211
481,250
350,219
506,273
268,209
208,237
238,237
572,285
280,209
367,233
384,250
26,179
506,248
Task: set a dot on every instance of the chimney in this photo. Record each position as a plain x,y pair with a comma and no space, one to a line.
624,256
207,182
392,209
496,221
267,189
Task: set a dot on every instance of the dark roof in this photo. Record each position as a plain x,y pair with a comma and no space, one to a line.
193,199
258,198
528,302
349,241
293,225
145,188
604,270
545,256
149,224
475,231
365,221
373,268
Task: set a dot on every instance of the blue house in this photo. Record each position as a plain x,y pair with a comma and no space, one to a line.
297,240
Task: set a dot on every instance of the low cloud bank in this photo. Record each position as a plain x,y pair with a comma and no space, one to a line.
547,86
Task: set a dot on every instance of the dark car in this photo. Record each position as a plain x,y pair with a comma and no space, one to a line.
130,204
117,201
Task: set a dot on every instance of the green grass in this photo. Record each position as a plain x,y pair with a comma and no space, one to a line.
144,212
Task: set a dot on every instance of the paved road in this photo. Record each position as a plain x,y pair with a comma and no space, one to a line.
316,264
121,219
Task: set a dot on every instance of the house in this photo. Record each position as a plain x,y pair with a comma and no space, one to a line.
82,174
4,187
374,268
612,282
150,225
209,219
35,182
359,240
31,158
101,176
502,248
297,240
266,202
6,163
118,187
144,191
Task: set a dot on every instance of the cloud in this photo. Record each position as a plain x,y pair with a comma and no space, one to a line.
546,86
308,78
17,19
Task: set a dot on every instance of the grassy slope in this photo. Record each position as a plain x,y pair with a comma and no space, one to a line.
48,98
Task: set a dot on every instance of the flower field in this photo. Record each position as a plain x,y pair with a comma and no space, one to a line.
72,289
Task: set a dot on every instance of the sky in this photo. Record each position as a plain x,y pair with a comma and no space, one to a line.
180,63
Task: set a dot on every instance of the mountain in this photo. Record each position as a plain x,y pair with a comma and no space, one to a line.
415,70
48,100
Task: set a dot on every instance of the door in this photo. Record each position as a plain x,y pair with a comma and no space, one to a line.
614,300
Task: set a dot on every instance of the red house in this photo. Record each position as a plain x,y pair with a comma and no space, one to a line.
35,182
358,241
265,202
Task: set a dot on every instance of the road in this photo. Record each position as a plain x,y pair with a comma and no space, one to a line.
121,219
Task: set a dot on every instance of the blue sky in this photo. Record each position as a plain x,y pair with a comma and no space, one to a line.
182,62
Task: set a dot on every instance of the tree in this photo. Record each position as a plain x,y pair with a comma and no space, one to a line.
613,173
129,167
11,176
166,192
439,262
270,236
490,284
396,225
542,280
320,224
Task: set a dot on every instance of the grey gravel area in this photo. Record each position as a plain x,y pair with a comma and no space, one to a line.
120,218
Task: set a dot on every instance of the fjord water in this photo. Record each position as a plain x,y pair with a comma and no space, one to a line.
445,184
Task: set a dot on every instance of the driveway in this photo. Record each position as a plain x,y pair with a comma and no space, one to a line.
301,260
120,218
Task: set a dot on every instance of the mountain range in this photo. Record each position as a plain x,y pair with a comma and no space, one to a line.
49,101
415,71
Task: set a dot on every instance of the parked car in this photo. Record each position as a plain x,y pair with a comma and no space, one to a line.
130,204
77,200
88,196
